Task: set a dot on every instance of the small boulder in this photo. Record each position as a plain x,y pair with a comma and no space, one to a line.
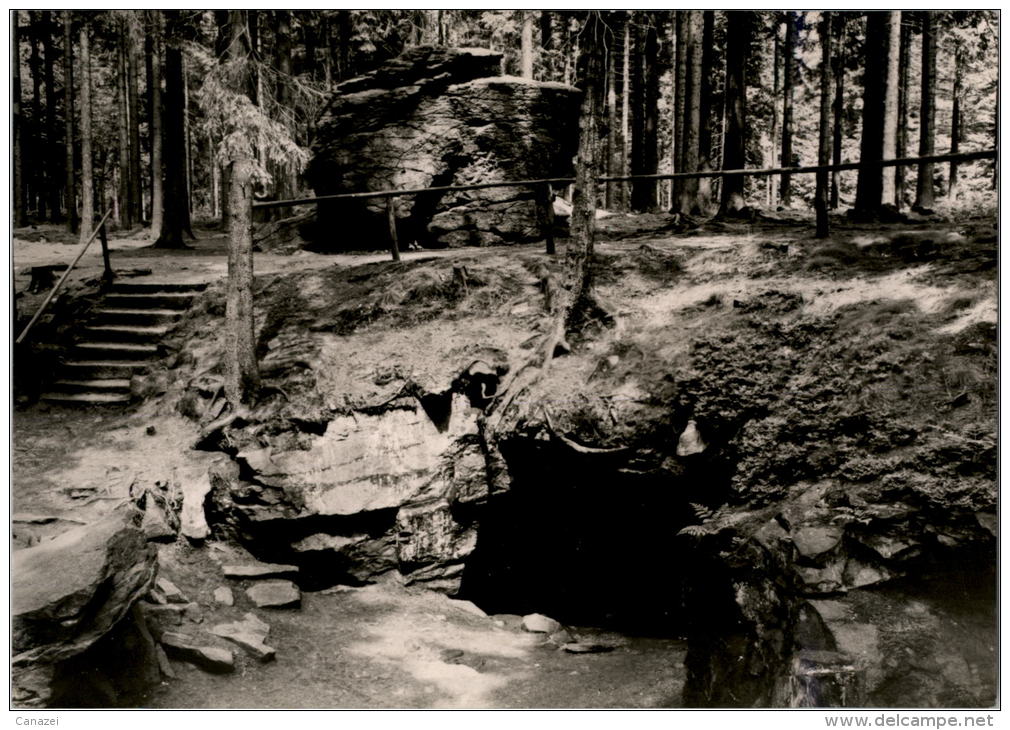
209,658
561,637
816,540
537,623
690,441
224,596
249,633
163,587
275,594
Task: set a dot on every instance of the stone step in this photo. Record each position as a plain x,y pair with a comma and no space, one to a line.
125,333
135,317
95,385
111,399
156,300
150,287
101,369
114,351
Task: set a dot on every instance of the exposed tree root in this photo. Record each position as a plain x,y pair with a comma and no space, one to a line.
575,446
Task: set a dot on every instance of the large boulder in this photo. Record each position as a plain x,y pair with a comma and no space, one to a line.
373,494
70,592
436,117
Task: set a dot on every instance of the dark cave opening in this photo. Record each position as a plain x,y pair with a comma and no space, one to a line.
585,540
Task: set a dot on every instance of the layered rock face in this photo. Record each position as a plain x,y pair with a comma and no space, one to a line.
71,592
435,117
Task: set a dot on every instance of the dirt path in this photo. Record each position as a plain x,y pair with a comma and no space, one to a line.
384,646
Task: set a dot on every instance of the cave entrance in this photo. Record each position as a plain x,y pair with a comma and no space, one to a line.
583,540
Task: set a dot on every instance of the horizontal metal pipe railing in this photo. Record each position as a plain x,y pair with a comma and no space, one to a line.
948,157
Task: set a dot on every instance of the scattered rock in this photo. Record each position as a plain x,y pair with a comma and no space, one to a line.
988,521
163,664
209,658
813,541
169,591
510,621
260,570
690,441
450,655
561,637
224,596
469,607
249,633
160,523
275,594
586,647
539,624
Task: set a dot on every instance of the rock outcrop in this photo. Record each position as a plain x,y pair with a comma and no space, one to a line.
436,117
70,592
372,494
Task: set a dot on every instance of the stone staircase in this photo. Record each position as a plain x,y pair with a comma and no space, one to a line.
118,341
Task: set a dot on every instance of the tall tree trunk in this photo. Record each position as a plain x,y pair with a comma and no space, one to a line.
579,253
788,81
956,125
242,373
613,141
222,42
687,202
738,31
133,105
39,142
345,31
123,214
282,62
679,100
924,195
643,192
890,150
547,44
176,209
69,192
824,135
869,185
526,44
839,73
705,115
241,368
776,91
157,138
20,215
87,175
52,151
902,150
626,115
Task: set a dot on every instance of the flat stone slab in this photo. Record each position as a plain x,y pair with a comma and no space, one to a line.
275,594
250,634
209,658
586,647
259,570
537,623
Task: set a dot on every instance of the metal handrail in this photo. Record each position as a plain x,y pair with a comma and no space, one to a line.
66,274
930,159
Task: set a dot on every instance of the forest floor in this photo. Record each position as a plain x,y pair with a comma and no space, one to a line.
386,646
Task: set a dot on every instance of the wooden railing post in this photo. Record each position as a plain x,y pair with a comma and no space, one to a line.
546,200
107,273
394,241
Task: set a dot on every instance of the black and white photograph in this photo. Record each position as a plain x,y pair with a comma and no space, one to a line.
504,359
